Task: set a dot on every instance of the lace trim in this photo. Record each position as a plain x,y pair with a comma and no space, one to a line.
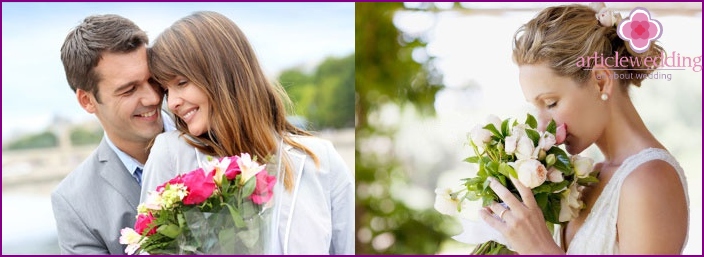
602,237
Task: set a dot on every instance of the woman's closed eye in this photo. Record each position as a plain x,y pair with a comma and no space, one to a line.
550,104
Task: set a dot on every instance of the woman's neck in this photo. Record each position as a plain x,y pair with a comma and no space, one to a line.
626,133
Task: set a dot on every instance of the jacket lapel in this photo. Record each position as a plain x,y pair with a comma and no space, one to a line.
116,175
288,199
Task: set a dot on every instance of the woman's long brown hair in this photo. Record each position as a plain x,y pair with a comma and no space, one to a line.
247,112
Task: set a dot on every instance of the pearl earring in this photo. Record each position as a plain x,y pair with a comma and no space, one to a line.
604,97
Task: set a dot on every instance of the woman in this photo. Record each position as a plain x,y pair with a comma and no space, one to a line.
640,204
225,106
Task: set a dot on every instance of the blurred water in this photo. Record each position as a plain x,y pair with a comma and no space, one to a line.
28,225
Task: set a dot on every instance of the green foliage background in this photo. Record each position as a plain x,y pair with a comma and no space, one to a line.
325,96
387,75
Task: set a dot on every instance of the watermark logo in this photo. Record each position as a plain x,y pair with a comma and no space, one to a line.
639,29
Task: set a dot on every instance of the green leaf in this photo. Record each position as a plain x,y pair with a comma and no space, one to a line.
563,161
587,180
552,127
554,187
225,239
504,169
473,159
492,128
502,180
492,168
169,230
504,127
530,121
249,186
236,217
533,135
552,210
544,188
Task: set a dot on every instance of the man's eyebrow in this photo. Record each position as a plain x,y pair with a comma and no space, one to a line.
126,85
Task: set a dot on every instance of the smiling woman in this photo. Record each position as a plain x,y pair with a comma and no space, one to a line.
35,32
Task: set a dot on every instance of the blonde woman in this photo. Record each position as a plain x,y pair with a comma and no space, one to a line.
225,106
640,204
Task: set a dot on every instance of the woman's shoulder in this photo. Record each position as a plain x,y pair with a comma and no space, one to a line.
171,140
315,143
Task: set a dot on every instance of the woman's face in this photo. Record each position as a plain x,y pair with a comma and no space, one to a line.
567,102
189,103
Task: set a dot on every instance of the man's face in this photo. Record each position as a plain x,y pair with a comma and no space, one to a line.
130,106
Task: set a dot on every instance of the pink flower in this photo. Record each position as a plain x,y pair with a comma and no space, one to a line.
233,169
176,180
200,186
263,190
143,222
561,134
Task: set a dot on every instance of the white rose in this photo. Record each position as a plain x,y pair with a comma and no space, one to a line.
511,141
519,130
555,175
493,119
531,173
582,166
480,136
445,203
525,149
571,203
547,141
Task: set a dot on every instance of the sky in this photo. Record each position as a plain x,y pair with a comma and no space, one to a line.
34,87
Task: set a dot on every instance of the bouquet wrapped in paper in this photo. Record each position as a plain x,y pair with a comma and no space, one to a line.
224,207
508,148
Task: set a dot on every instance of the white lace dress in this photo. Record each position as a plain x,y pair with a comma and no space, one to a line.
598,233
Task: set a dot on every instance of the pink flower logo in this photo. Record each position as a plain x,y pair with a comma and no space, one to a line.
639,30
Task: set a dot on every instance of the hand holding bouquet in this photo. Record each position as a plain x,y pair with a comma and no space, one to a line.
519,150
219,208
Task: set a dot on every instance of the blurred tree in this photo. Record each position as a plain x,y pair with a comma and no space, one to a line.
38,140
387,74
85,136
326,96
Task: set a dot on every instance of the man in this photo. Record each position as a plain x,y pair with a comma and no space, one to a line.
105,60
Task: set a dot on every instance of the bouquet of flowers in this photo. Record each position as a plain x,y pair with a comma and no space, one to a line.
506,148
220,208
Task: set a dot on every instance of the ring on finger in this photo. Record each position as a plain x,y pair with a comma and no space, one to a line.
501,214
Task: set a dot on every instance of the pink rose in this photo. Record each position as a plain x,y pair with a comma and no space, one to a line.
176,180
143,222
199,185
233,169
561,134
263,190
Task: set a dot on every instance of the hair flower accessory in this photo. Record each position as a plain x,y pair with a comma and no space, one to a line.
606,16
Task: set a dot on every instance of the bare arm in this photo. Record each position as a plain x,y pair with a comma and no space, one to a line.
653,216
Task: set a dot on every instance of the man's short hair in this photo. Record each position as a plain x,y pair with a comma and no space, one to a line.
85,44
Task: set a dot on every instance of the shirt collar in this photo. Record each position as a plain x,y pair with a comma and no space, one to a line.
130,163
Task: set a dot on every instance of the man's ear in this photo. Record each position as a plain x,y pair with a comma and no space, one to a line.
86,100
604,78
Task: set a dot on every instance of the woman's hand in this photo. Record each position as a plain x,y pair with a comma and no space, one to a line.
522,223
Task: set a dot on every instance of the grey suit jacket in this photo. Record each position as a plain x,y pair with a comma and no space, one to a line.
317,217
93,203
